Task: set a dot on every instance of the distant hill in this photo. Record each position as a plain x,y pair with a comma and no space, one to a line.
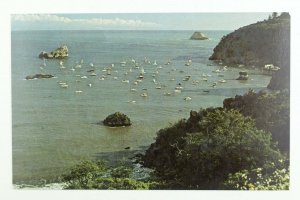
265,42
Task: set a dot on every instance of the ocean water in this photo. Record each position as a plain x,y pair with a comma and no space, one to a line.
54,128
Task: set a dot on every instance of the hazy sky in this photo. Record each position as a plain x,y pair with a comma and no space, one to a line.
126,21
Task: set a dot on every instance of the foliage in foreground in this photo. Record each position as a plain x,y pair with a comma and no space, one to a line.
271,112
260,179
201,152
96,175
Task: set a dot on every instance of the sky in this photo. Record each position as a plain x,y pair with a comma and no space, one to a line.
138,21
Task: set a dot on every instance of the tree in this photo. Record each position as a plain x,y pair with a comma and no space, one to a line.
209,146
271,112
274,15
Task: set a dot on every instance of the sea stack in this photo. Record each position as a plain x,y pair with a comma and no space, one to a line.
117,119
198,36
59,53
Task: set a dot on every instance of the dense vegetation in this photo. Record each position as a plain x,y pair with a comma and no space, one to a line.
96,175
201,152
271,112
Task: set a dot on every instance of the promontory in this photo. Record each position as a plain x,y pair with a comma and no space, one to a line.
263,43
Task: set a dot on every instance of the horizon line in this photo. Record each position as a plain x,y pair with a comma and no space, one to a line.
121,30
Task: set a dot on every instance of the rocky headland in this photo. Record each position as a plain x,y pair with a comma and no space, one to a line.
259,44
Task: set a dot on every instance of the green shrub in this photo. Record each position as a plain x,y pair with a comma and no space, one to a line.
271,112
201,152
95,175
274,178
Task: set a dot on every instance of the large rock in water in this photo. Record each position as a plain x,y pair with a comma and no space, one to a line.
61,52
39,76
117,119
198,36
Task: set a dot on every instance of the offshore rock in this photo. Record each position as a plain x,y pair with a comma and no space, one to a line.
117,119
39,76
59,53
198,36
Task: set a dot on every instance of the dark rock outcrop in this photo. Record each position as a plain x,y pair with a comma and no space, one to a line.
117,119
39,76
198,36
281,79
243,76
59,53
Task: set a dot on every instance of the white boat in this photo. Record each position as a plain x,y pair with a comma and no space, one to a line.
123,62
83,77
178,88
155,64
222,81
125,81
90,85
187,98
62,83
133,89
93,74
91,64
144,94
158,87
64,86
177,91
204,79
142,71
78,91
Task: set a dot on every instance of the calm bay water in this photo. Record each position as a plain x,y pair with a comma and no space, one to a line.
54,127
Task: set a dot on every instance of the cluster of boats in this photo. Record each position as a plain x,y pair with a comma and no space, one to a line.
132,68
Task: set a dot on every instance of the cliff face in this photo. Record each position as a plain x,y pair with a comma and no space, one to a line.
266,42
